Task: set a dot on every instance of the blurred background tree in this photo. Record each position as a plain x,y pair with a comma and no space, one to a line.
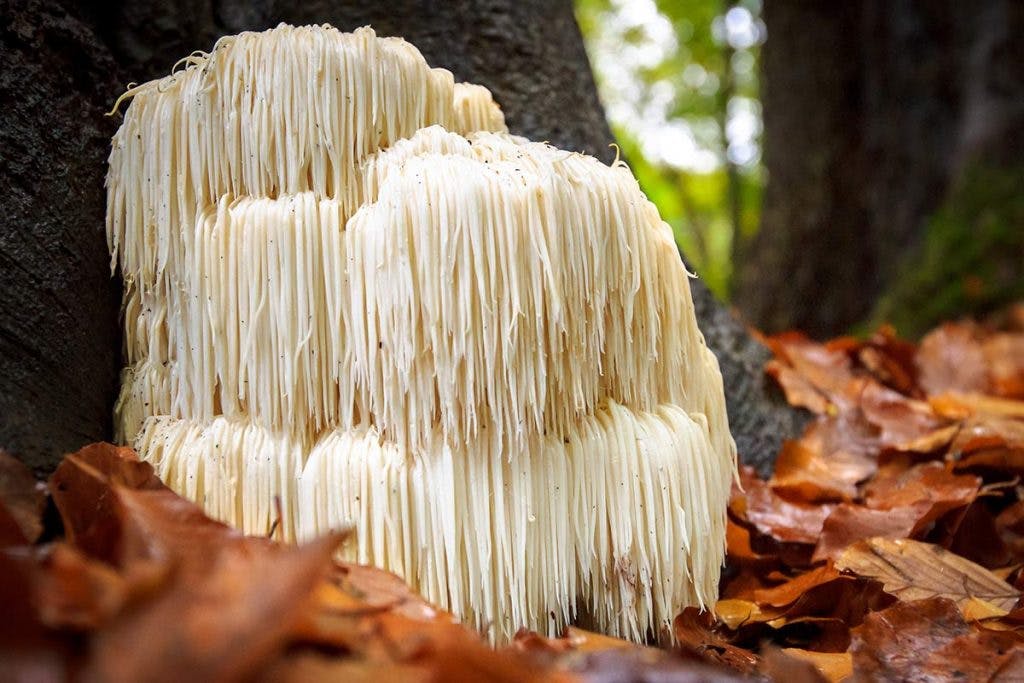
679,84
827,166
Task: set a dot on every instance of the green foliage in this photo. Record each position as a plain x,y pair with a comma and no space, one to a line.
972,256
679,83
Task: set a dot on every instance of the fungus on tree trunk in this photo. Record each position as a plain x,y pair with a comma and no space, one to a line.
349,289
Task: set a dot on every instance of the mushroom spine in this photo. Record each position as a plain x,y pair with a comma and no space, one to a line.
349,288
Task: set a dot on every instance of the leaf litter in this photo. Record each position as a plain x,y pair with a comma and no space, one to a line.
888,544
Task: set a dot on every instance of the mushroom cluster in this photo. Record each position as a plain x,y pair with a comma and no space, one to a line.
353,299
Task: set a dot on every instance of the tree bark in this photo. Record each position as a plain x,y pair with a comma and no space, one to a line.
59,348
879,117
529,53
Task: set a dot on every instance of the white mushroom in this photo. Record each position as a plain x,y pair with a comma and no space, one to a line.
479,351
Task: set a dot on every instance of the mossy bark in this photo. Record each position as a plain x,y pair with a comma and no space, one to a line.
884,120
972,256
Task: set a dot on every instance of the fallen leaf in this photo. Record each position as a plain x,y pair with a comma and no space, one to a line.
798,389
22,501
734,613
695,632
231,603
834,666
927,640
1004,356
930,486
956,406
739,548
781,665
777,517
976,609
891,360
75,591
951,358
985,432
827,369
849,523
905,424
912,570
81,488
812,475
639,665
1010,527
975,537
790,591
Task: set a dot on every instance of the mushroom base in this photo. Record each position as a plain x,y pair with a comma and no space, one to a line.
621,519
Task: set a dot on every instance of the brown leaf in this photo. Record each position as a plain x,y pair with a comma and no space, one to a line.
957,406
1010,526
905,424
379,589
773,515
834,666
222,604
816,369
222,626
927,640
742,585
912,570
640,665
81,489
75,591
799,391
951,358
790,591
806,472
780,665
28,649
696,633
735,612
850,523
22,501
977,538
986,432
891,360
1004,354
929,485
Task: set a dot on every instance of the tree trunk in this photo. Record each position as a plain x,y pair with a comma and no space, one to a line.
529,53
893,149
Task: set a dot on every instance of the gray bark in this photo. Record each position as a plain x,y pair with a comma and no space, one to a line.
58,332
59,347
877,116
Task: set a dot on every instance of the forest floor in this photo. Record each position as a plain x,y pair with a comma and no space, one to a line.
887,545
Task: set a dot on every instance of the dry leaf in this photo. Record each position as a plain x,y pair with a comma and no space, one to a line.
695,632
780,665
891,360
790,591
1004,354
930,486
955,406
912,570
22,501
825,369
950,358
834,666
905,424
812,475
850,523
775,516
976,609
928,640
734,613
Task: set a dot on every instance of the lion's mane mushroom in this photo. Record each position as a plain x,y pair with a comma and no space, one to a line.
349,290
